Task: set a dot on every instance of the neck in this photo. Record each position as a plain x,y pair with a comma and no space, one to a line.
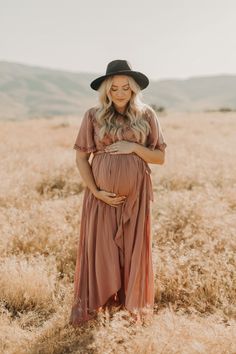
120,110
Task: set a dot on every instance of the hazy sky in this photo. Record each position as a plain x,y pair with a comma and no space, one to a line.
162,38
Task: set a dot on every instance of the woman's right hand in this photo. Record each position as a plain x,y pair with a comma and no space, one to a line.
110,198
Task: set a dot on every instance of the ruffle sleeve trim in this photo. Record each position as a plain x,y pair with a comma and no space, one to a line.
85,149
161,147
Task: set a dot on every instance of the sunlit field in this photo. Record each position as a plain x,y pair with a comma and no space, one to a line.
193,231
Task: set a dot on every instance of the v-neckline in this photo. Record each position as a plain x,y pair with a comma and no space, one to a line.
119,113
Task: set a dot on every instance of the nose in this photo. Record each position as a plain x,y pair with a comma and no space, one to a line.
120,94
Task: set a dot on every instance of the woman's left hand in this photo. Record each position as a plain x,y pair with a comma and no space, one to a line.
120,147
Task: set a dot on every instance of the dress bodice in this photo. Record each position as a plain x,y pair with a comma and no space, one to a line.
126,133
88,139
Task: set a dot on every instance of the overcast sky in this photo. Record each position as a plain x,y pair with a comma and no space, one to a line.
161,38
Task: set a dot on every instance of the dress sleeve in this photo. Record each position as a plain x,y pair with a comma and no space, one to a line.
155,138
85,137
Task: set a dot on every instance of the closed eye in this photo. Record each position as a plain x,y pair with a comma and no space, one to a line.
123,89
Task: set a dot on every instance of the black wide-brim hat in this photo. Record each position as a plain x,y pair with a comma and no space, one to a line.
119,67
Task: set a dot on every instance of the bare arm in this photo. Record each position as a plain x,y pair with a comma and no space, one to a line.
151,156
85,170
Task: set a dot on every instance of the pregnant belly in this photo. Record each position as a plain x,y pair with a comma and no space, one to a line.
119,173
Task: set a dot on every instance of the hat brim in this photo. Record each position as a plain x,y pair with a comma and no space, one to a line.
141,79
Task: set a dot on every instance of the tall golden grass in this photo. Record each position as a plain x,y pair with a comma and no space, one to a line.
194,241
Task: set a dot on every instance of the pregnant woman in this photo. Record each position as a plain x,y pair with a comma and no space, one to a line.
114,254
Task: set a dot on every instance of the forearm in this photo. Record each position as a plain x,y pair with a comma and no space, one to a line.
86,173
150,156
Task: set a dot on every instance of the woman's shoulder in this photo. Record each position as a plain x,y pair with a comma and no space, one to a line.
93,109
148,112
90,113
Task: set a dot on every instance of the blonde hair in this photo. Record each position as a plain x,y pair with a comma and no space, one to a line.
105,115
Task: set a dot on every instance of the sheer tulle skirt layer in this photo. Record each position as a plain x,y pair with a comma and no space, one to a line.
114,255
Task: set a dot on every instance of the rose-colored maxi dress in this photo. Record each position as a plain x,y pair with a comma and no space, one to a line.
114,254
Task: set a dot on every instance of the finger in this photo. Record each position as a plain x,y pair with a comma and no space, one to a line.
117,202
108,202
117,205
118,198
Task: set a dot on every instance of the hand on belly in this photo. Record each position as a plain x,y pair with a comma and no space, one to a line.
120,147
110,198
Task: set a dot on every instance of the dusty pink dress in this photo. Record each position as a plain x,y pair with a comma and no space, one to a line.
114,254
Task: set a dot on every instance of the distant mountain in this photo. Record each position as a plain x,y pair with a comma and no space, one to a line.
195,93
32,92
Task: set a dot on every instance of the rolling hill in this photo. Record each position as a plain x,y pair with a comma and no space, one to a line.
28,92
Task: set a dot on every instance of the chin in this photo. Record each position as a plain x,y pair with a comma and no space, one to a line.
121,103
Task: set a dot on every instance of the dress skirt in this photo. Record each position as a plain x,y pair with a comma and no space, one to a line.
114,254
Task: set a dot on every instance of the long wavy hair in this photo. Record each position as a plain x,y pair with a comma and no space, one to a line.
106,114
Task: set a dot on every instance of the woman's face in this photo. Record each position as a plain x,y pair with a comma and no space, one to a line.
120,91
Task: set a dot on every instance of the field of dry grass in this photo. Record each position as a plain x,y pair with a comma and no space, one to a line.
194,241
